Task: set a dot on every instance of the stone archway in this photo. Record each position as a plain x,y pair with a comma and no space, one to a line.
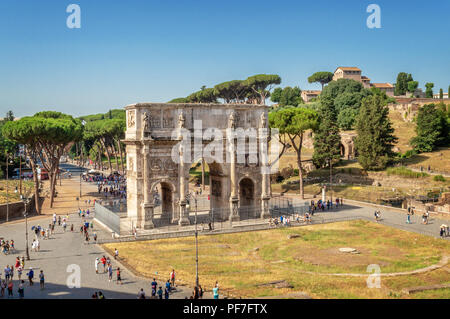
159,137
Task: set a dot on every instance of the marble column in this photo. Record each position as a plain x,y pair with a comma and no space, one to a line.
265,194
184,214
147,205
234,199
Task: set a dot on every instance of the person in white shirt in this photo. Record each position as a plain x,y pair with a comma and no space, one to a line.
97,261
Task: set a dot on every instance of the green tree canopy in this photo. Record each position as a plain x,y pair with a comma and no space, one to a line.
412,86
261,84
429,90
344,96
287,96
322,77
293,122
401,86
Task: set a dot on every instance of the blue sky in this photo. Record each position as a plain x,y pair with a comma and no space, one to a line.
153,51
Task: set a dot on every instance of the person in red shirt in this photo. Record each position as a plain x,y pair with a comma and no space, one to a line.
103,260
17,265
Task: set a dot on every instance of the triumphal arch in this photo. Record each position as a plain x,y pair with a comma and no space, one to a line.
163,140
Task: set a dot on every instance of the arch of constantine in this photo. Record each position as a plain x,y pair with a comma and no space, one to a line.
161,146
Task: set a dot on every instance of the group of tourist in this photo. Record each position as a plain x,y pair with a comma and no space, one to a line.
8,284
113,185
7,246
159,293
322,205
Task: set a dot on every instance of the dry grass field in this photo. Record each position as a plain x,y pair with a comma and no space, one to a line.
245,264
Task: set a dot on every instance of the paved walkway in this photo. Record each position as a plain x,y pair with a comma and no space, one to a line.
389,217
62,250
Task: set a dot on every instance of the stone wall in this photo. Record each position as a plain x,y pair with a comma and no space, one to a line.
16,210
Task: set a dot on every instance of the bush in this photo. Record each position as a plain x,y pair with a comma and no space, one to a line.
405,172
287,172
439,178
408,154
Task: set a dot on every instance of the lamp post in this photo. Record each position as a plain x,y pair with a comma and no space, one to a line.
7,186
196,245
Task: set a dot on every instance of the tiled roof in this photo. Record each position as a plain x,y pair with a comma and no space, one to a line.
312,92
348,68
382,85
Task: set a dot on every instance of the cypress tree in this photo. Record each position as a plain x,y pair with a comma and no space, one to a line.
326,137
375,134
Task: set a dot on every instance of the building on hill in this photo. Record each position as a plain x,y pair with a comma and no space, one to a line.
354,73
436,96
388,88
308,95
365,81
347,72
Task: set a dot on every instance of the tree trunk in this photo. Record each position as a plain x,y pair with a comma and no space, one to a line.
36,185
115,155
121,157
53,173
299,164
107,154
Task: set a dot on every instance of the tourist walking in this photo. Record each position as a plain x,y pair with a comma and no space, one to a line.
216,291
21,290
30,275
119,278
110,272
41,279
2,288
160,293
97,261
10,288
172,277
154,286
103,260
166,293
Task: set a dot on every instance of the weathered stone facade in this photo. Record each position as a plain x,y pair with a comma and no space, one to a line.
153,140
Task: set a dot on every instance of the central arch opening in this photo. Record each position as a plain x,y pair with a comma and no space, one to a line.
246,192
210,191
163,201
